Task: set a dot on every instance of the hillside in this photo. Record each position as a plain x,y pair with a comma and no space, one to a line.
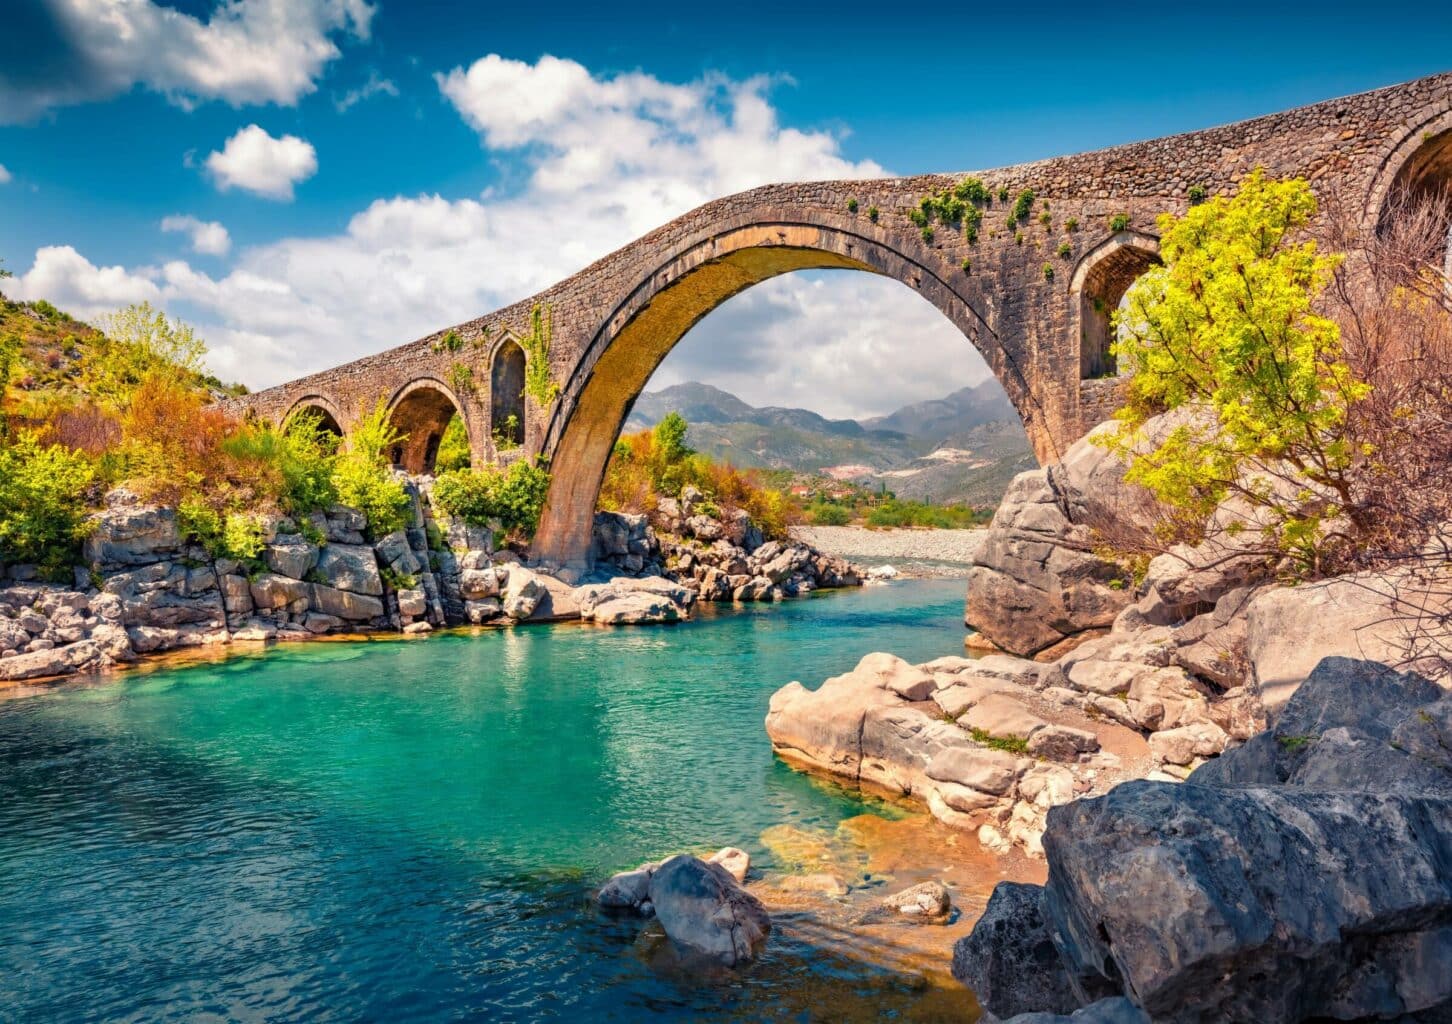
960,449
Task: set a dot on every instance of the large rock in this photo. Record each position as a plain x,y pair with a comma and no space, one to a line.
351,567
1367,615
1035,580
823,728
1269,904
1009,960
344,604
271,591
291,556
59,661
703,910
523,593
127,533
626,601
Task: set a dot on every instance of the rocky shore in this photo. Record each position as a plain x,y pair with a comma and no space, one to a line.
937,551
1242,807
146,588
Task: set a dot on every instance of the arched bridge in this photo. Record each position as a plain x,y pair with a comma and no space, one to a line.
1033,296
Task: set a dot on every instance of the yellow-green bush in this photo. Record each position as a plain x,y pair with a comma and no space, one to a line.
43,514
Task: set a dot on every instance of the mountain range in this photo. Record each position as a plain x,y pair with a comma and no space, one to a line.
962,448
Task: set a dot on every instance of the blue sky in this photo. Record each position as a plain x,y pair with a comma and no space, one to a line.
415,164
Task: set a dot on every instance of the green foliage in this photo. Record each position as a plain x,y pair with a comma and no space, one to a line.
363,478
896,513
967,265
1008,744
1119,222
1228,323
1003,193
670,438
1018,238
454,451
199,523
507,434
461,378
1046,218
46,310
1065,250
1023,205
1297,743
1048,271
873,213
1072,224
828,513
928,233
9,355
538,383
304,456
242,538
851,205
397,580
42,503
954,205
1197,194
141,343
513,497
449,342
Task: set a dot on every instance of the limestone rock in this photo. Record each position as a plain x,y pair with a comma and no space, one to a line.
290,556
271,591
132,534
925,903
1009,960
523,592
1187,743
703,910
736,862
1002,717
412,602
626,890
989,771
57,661
350,567
479,612
345,604
1062,742
1290,629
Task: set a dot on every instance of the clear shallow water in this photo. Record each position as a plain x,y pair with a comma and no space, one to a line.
409,830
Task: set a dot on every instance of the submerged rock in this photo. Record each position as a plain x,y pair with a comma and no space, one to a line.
702,909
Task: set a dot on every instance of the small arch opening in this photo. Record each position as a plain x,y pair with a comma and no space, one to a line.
506,396
1101,292
1422,191
325,420
421,415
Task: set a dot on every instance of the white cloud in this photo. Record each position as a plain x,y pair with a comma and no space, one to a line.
246,51
374,86
64,277
605,160
206,236
256,162
5,176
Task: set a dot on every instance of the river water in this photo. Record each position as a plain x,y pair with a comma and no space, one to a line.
398,830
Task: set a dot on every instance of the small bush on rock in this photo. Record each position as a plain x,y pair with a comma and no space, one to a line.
42,503
513,497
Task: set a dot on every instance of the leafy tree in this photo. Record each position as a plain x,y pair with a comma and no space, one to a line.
454,447
1228,323
514,497
42,503
142,342
670,438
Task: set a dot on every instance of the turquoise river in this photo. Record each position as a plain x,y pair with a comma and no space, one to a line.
409,830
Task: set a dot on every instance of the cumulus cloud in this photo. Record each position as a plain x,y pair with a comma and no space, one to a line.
206,236
245,51
5,175
605,159
63,276
254,161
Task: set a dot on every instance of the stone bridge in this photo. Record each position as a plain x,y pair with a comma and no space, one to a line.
1034,296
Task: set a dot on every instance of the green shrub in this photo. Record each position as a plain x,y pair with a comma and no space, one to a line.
928,234
1048,271
967,265
852,206
873,213
1197,194
827,513
538,383
1023,205
450,342
1072,224
42,504
199,523
461,378
1066,250
241,537
514,497
454,447
1119,222
363,477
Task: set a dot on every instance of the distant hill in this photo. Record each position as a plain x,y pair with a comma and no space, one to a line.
943,417
963,448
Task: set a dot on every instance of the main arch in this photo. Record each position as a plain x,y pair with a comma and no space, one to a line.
670,298
1031,293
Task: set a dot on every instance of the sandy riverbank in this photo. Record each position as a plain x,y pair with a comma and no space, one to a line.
912,552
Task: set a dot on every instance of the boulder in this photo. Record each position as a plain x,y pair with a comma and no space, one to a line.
290,556
988,771
523,592
478,612
345,604
1035,580
1002,717
82,656
1009,960
736,862
1366,615
412,602
271,591
477,584
925,903
887,671
626,890
1279,915
1062,742
704,911
350,567
126,533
